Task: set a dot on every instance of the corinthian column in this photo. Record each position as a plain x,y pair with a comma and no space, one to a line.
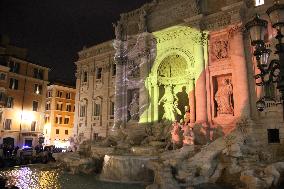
240,73
119,117
200,81
191,97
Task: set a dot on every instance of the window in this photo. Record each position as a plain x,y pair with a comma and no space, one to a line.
49,94
259,2
13,84
58,119
99,73
38,73
35,106
14,67
96,109
82,110
33,126
10,102
7,125
2,76
2,97
113,70
66,120
59,106
59,94
57,131
68,107
68,95
273,135
46,119
111,110
85,77
37,89
47,106
66,132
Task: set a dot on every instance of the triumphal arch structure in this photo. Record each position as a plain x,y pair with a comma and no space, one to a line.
174,54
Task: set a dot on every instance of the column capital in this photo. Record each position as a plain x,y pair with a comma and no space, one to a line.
236,29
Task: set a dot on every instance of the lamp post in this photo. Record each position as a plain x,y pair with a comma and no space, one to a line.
273,71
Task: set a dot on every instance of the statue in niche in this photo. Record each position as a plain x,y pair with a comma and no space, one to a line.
224,98
220,49
170,104
134,107
133,69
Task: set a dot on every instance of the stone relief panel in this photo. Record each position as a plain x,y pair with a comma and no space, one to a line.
223,95
133,70
219,48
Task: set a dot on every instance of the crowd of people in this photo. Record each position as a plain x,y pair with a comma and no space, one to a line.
8,150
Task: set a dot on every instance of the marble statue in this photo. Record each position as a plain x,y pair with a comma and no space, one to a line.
175,134
170,104
187,115
188,135
224,98
134,107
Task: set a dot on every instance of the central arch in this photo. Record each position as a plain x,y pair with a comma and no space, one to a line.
172,79
173,83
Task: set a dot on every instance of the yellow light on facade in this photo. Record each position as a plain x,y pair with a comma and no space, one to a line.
28,116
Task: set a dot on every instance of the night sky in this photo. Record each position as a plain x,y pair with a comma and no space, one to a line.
54,31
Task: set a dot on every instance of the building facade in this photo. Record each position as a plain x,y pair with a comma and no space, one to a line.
198,58
23,87
94,112
59,114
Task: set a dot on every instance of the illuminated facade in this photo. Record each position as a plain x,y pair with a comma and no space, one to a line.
94,112
59,114
23,87
198,57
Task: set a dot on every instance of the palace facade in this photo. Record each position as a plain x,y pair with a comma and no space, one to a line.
59,114
23,87
173,55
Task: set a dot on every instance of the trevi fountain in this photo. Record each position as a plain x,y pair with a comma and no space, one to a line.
184,96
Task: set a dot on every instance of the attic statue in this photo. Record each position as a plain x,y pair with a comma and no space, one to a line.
118,30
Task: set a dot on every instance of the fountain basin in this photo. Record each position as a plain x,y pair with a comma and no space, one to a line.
127,169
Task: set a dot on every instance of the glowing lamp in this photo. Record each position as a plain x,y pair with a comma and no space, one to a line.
257,29
276,15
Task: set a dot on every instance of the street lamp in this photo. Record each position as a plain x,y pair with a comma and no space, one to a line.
270,72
